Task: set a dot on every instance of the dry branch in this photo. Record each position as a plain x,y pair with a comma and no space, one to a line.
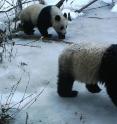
60,3
27,116
2,4
90,3
99,7
15,6
24,36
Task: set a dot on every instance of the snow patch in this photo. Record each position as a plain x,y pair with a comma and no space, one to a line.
114,9
107,1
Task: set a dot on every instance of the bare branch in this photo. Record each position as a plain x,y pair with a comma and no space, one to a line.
9,3
27,116
90,3
2,4
15,7
60,3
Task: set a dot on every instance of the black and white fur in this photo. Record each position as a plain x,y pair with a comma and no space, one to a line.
43,17
91,64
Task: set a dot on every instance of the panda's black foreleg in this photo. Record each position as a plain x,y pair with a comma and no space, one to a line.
28,28
44,32
65,84
93,88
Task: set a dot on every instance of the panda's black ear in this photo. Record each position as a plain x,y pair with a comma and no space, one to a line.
57,18
65,15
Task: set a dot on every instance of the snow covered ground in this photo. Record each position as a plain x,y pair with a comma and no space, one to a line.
39,66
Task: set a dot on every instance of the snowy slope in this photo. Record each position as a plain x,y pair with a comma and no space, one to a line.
41,63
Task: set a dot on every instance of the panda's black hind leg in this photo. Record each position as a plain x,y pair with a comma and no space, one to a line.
93,88
111,88
65,84
28,28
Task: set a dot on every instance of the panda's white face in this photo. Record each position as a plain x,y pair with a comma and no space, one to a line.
59,22
60,25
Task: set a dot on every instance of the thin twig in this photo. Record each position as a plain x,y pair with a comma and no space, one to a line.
27,116
35,99
25,90
30,102
95,17
2,4
21,101
13,89
8,3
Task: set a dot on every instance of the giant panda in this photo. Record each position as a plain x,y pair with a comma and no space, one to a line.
43,17
91,64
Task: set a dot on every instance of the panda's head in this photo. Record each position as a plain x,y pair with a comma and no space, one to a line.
59,21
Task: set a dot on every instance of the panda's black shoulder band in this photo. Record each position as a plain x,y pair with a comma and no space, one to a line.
108,65
44,18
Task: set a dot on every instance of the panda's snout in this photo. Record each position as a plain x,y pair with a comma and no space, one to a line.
61,36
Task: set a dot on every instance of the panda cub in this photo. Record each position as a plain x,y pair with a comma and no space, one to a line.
43,17
91,64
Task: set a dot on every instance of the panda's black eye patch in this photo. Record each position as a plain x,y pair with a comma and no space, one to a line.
57,18
62,27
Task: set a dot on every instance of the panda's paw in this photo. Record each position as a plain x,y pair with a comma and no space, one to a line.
47,36
61,36
68,94
73,94
93,88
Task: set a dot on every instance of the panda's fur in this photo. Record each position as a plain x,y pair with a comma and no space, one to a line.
91,64
43,17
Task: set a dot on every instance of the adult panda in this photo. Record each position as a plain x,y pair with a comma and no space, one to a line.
91,64
43,17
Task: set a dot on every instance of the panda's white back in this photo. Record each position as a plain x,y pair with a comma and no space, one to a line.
86,59
31,13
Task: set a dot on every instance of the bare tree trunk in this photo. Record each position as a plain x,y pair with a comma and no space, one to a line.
18,9
19,2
